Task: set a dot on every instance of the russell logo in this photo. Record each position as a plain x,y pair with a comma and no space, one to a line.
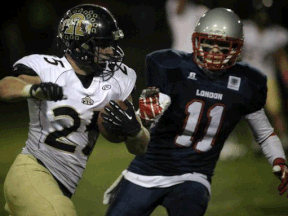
192,76
106,87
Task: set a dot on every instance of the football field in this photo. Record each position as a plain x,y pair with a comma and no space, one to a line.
244,186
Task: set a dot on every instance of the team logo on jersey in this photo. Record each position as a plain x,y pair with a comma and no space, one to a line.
106,87
87,100
234,83
192,76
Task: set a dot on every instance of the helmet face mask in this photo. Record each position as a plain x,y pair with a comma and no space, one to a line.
90,35
215,53
218,39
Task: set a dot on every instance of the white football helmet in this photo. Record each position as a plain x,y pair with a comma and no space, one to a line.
218,39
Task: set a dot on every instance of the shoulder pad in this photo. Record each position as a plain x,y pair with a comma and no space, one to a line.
252,73
21,69
167,58
42,61
47,67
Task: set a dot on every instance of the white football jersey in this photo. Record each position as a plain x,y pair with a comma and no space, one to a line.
62,134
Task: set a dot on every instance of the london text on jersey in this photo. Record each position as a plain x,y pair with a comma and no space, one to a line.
208,94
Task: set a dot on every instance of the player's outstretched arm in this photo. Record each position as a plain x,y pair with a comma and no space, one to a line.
11,88
14,89
271,146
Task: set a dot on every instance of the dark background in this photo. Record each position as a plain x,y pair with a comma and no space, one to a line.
245,186
30,27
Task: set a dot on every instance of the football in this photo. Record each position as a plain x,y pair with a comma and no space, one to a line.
110,137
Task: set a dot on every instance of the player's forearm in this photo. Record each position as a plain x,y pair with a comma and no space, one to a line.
11,89
272,149
138,144
264,134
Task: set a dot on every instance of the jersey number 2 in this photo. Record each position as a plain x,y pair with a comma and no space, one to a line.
194,116
59,138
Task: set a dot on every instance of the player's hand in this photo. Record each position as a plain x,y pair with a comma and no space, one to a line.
121,121
281,171
47,91
150,109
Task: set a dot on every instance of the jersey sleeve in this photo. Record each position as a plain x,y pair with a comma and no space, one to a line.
45,66
21,69
126,77
157,73
258,89
31,63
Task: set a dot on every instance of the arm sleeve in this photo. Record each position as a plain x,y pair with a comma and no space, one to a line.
272,148
259,125
259,96
263,132
33,62
21,69
156,75
256,91
30,65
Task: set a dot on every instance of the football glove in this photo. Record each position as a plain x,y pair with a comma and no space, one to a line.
47,91
281,171
150,108
121,121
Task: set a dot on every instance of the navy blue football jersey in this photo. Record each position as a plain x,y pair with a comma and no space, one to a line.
191,133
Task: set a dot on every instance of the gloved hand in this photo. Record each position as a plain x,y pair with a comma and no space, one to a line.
150,109
45,91
121,121
281,171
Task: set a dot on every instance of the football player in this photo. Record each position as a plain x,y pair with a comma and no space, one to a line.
210,91
64,97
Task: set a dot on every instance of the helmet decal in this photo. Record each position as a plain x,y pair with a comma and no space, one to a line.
86,29
76,25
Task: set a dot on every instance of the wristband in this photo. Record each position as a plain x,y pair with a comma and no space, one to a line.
279,161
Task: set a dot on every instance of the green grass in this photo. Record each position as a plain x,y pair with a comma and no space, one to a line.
244,186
